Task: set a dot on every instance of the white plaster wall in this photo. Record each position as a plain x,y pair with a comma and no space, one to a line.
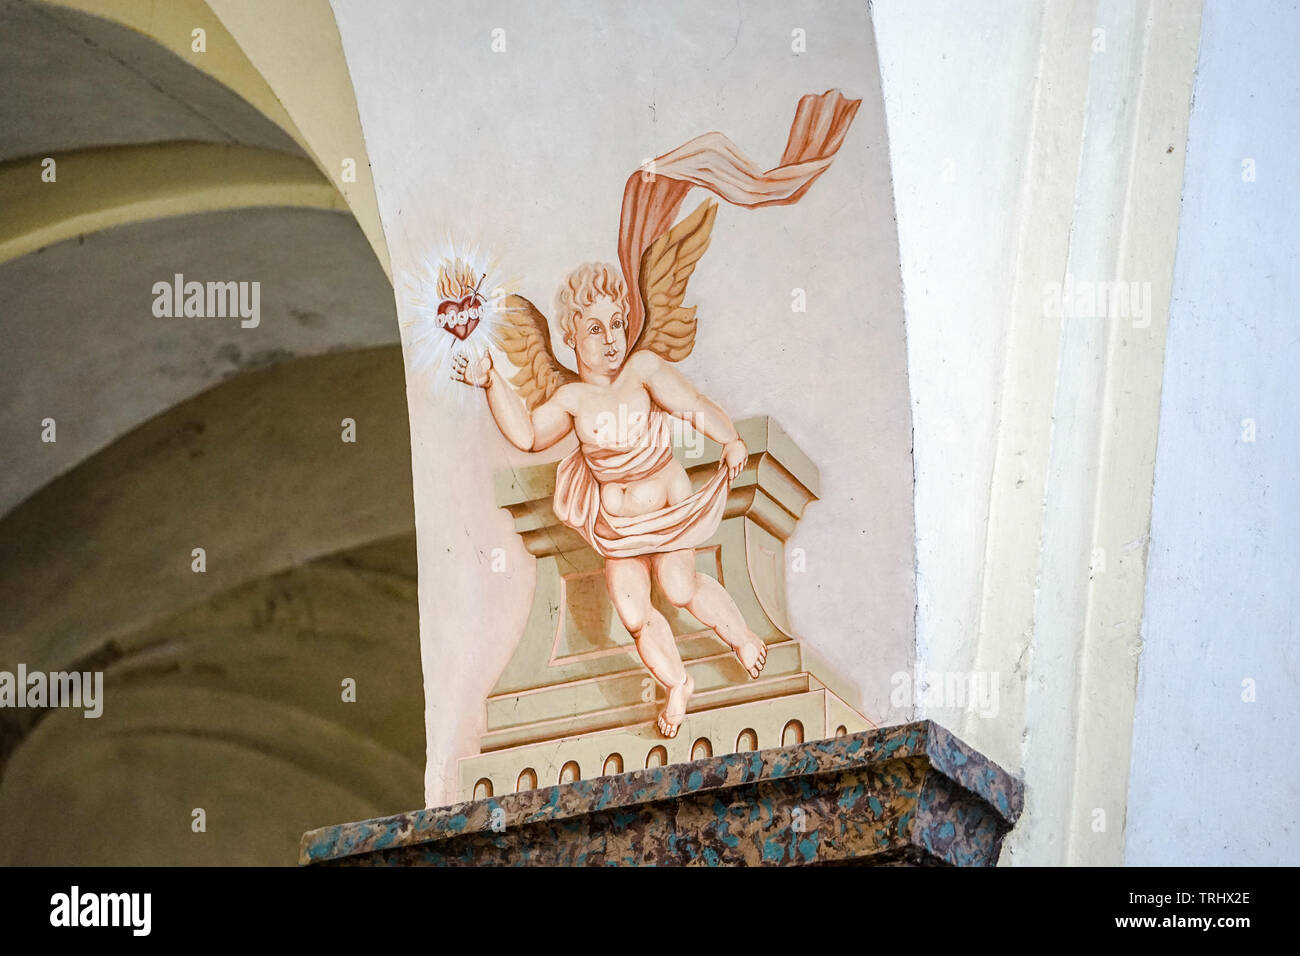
527,151
1067,121
958,81
1214,778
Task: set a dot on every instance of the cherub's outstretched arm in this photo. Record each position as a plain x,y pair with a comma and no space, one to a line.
676,395
534,431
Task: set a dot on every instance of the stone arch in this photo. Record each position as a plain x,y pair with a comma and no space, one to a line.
172,432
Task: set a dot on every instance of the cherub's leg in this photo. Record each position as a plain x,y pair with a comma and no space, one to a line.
709,601
628,580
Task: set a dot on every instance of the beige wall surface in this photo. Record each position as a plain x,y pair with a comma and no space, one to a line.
525,150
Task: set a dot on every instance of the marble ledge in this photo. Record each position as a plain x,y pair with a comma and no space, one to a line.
911,794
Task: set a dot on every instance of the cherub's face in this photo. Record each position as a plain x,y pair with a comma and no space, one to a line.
600,336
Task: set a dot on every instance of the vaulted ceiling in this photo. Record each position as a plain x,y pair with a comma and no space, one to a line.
223,687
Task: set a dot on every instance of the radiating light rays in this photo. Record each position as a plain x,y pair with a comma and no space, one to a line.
454,304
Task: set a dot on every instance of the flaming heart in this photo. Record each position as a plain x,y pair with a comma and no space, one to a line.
461,317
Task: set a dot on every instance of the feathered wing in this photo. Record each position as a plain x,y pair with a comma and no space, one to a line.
527,342
666,267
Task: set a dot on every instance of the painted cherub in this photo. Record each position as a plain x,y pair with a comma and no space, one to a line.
622,489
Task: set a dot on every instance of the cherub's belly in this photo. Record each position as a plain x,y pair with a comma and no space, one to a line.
667,486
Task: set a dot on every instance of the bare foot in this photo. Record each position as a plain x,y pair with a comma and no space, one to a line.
674,711
752,655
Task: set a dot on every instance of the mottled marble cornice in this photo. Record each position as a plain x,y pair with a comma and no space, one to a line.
911,793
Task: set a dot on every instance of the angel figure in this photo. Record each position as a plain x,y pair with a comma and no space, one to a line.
622,489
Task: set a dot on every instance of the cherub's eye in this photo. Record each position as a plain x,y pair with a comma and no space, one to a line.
618,323
595,330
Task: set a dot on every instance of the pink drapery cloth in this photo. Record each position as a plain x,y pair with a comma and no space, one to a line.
647,449
652,196
651,199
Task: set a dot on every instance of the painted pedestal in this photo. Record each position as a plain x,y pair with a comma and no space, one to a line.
575,700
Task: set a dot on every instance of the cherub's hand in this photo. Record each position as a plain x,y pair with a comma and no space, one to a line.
477,373
734,456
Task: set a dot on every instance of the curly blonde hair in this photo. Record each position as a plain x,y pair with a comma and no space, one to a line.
583,286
